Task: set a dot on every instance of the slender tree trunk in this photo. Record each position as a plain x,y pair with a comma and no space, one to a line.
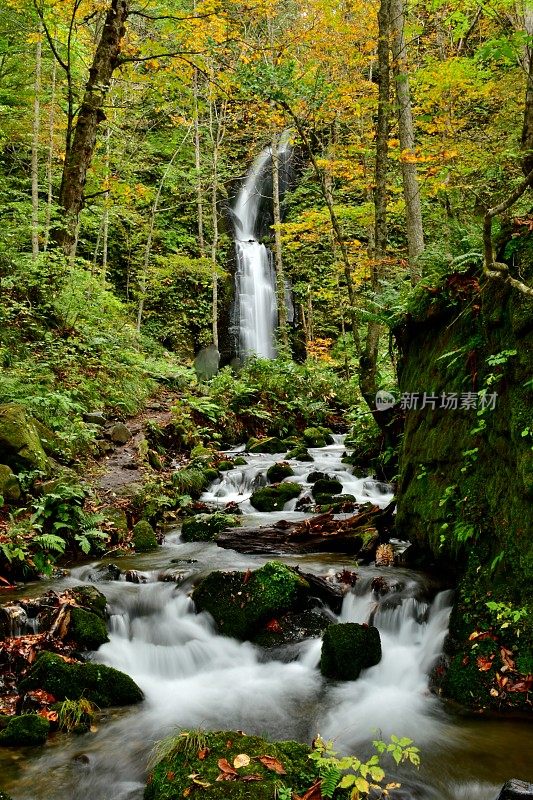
79,156
278,259
105,220
50,158
214,245
527,129
35,152
198,167
411,189
369,360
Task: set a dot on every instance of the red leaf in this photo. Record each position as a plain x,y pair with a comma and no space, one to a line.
226,767
272,764
273,626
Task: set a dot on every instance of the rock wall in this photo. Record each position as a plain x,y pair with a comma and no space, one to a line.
465,494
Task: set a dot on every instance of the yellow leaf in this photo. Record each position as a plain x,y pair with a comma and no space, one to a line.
242,760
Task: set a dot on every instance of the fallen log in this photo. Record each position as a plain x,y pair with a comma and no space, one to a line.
358,534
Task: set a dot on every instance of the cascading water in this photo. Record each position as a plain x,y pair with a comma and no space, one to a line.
255,309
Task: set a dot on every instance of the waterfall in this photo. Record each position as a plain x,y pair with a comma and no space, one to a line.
255,308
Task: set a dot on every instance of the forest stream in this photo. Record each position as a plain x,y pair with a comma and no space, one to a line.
193,677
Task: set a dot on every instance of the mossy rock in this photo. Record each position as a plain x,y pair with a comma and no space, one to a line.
317,437
210,474
273,498
28,730
205,527
170,778
292,627
19,441
328,486
347,648
225,466
202,453
87,630
334,503
239,606
300,453
277,472
270,445
9,485
240,461
102,685
143,537
118,519
91,599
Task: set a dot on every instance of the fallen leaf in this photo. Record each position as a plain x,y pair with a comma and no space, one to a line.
314,792
484,664
525,685
252,777
203,753
51,716
242,760
225,766
187,791
273,626
272,764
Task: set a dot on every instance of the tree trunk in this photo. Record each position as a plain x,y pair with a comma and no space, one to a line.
214,246
411,189
50,158
79,156
527,130
278,259
197,161
35,152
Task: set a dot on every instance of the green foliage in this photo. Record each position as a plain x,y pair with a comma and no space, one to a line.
75,716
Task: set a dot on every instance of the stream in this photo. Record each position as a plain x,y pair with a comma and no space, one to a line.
192,677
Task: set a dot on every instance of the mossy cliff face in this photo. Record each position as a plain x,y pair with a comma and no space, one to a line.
465,493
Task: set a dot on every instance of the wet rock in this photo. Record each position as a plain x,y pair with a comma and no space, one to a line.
114,572
317,437
87,630
91,599
102,685
277,472
318,476
239,602
516,790
143,537
304,503
9,485
293,627
270,445
225,466
29,730
300,453
95,418
347,648
205,527
119,433
273,498
20,444
240,461
13,621
206,362
326,486
170,777
133,576
340,503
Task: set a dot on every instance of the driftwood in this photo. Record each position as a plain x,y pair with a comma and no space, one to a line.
360,533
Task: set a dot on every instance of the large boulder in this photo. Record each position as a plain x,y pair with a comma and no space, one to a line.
270,445
120,433
300,453
143,537
103,686
197,759
326,486
205,527
273,498
516,790
240,602
317,437
25,731
86,629
20,445
277,472
9,485
347,648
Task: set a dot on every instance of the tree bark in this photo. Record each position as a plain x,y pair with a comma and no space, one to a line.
198,165
79,156
50,158
411,189
35,152
527,129
278,258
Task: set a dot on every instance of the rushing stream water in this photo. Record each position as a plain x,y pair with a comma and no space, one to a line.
192,677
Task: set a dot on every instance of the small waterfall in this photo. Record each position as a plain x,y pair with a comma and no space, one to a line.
255,310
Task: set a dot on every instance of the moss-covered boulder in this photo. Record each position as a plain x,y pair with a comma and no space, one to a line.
326,486
143,537
347,648
20,445
240,461
225,466
9,485
335,503
205,527
239,602
317,437
292,627
273,498
300,453
103,686
90,598
277,472
87,630
198,754
119,521
25,731
271,445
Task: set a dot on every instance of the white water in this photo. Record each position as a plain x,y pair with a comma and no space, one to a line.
255,278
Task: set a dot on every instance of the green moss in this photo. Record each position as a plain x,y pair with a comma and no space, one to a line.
239,461
239,605
277,472
91,599
9,485
326,486
19,441
170,777
205,527
317,437
225,466
300,453
25,731
88,630
347,648
143,537
273,498
336,503
270,445
103,686
210,475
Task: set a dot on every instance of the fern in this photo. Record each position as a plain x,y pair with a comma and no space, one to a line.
51,542
330,780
